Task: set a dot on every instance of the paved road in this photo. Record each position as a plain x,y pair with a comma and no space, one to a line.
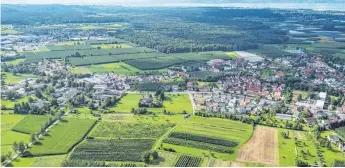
30,144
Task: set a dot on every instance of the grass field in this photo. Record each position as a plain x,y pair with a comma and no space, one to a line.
10,103
31,124
71,43
173,103
80,70
215,128
166,159
333,153
108,46
23,162
232,54
11,79
287,148
89,27
8,137
14,62
9,32
62,137
306,148
129,130
177,103
157,119
120,68
49,161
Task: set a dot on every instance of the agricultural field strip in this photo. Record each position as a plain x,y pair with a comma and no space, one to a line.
102,150
188,161
67,139
31,143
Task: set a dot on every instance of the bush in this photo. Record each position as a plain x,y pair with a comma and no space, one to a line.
300,163
155,155
3,158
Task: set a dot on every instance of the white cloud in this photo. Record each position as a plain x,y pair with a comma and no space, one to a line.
93,2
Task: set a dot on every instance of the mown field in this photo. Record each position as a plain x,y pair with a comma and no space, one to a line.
62,137
13,79
209,137
287,147
333,153
9,104
15,62
31,124
8,137
176,103
112,149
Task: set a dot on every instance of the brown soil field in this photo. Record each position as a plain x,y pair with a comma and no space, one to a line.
261,148
237,164
221,163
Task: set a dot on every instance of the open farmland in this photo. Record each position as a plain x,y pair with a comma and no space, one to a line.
32,124
176,103
62,137
9,104
261,148
112,150
287,147
209,136
333,153
49,161
8,137
13,79
107,46
130,130
306,148
120,68
172,59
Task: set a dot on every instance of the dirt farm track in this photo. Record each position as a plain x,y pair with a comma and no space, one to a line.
261,148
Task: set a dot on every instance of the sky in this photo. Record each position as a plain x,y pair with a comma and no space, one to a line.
129,2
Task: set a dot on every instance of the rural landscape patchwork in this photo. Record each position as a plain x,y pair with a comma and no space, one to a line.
123,86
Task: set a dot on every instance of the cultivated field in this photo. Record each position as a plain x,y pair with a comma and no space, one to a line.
209,137
62,137
112,149
32,124
130,130
261,148
9,104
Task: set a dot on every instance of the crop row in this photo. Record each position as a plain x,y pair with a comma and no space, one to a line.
199,145
188,161
204,139
112,150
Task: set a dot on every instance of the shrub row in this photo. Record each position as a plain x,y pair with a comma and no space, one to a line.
199,145
204,139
